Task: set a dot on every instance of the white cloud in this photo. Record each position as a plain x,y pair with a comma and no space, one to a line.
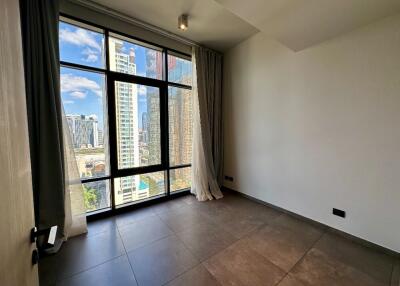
82,38
79,37
78,86
68,101
91,55
78,94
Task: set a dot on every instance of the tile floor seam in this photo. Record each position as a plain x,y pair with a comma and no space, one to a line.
170,228
201,261
127,257
87,269
150,243
301,258
180,274
184,245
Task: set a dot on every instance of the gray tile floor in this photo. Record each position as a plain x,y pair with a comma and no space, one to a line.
232,241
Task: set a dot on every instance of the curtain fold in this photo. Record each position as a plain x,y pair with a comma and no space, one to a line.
39,24
75,211
207,124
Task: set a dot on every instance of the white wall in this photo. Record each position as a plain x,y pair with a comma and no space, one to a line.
318,129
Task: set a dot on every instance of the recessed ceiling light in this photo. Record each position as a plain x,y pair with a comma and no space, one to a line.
183,23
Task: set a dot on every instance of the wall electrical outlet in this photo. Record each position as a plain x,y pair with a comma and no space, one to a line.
228,178
339,213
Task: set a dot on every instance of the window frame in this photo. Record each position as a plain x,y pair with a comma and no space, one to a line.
110,78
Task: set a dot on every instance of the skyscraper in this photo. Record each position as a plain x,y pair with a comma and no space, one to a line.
180,122
153,70
144,128
84,130
126,105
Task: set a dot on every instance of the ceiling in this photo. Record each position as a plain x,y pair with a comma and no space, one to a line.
299,24
210,24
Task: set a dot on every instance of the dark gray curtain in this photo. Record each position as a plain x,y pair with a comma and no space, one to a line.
39,23
209,86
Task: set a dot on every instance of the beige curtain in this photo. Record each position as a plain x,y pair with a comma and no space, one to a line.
75,212
207,124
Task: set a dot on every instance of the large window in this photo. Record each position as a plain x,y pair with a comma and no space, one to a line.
128,105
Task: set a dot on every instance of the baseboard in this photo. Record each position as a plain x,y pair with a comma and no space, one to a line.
328,228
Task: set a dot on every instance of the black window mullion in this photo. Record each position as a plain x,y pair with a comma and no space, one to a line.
111,116
179,85
180,166
163,85
166,121
82,67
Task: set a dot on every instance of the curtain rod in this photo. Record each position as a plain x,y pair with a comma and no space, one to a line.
113,13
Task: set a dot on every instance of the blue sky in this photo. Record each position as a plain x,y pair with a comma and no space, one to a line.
83,92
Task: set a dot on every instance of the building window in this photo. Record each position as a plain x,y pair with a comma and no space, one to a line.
129,110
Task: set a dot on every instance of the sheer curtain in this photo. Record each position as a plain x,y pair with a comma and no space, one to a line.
207,123
75,211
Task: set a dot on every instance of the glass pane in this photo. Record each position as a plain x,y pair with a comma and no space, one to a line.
180,126
179,70
139,187
81,46
96,195
84,102
132,58
180,179
138,125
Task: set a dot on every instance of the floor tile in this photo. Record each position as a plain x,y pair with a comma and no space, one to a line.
206,240
198,276
372,262
83,252
166,206
143,232
242,266
102,225
116,272
284,241
161,261
289,280
317,268
240,226
183,218
134,216
240,242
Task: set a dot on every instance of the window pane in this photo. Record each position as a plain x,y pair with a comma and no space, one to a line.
139,187
96,195
180,126
179,70
81,46
132,58
138,125
180,179
85,104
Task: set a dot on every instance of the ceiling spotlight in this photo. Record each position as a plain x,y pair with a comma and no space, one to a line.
183,23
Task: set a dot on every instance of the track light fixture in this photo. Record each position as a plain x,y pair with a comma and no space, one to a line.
183,23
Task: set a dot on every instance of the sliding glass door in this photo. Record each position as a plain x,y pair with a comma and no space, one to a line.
129,109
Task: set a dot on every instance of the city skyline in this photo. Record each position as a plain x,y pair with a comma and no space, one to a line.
81,91
137,115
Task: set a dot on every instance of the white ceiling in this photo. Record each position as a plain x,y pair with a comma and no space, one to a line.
210,24
299,24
